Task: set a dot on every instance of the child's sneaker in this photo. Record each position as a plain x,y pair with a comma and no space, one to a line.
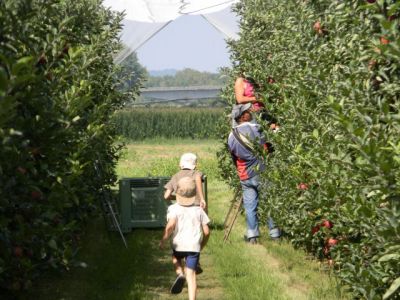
199,269
177,286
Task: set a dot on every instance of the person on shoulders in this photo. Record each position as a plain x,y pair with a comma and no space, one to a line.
245,92
187,165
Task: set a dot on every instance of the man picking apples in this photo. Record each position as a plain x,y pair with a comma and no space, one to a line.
241,143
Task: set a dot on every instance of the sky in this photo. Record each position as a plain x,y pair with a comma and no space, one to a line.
187,42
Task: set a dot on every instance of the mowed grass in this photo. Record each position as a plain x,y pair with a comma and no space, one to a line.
232,270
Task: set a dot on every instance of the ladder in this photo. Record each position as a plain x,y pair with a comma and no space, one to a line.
108,206
232,214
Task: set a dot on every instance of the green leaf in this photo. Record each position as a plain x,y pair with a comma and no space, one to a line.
3,80
393,287
315,133
388,257
22,64
53,244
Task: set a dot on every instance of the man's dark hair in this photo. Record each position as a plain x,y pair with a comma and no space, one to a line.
237,119
252,82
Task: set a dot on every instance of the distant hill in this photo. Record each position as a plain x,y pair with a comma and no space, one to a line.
160,73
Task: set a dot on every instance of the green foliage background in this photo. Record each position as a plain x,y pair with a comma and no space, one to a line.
58,89
159,122
335,90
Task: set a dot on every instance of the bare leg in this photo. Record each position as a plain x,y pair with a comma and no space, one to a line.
191,282
180,280
178,265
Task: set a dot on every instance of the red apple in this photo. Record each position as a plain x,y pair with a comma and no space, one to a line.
326,223
35,151
302,186
371,64
332,242
18,251
317,26
65,49
36,195
21,170
29,253
49,76
315,229
384,40
63,52
42,60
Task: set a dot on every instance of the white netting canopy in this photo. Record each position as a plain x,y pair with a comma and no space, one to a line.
144,18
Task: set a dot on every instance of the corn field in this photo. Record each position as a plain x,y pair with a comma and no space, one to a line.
142,123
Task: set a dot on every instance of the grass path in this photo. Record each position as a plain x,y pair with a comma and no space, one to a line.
271,270
232,270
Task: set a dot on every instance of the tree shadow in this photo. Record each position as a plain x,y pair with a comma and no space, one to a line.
152,268
105,269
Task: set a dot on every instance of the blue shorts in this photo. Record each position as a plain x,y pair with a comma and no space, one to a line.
191,258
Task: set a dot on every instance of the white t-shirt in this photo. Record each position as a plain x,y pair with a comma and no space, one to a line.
188,231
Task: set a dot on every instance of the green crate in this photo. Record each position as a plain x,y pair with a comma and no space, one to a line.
142,204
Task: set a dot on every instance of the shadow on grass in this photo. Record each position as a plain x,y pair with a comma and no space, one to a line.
110,271
217,226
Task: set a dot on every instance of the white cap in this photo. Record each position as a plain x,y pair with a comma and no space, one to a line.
188,161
